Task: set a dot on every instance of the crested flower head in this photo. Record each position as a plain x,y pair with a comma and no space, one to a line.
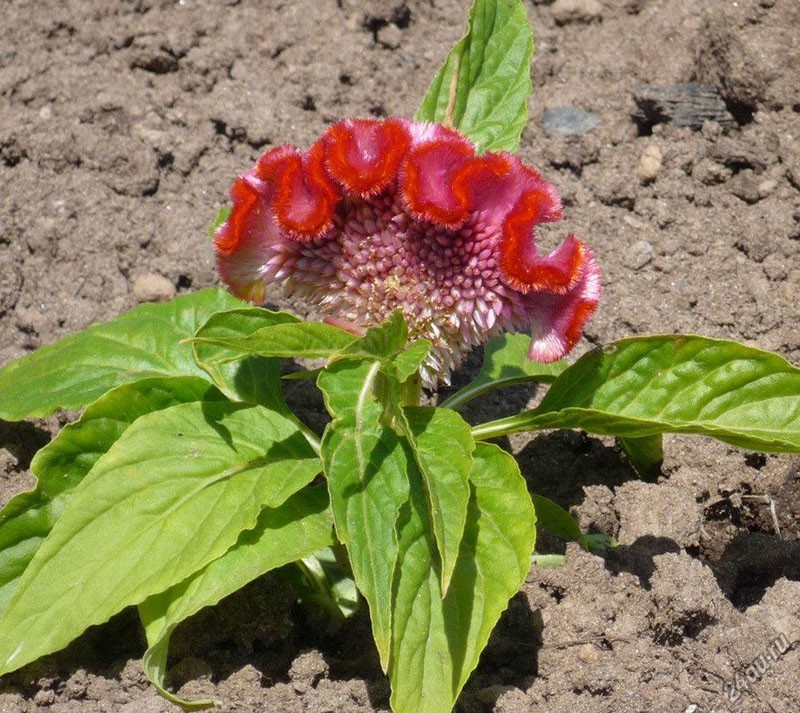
387,214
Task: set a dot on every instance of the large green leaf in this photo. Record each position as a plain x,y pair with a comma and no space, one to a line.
28,518
505,363
644,386
436,641
170,496
295,529
483,87
365,463
443,445
289,339
251,379
78,369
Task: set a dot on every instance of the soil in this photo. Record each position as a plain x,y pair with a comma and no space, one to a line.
122,125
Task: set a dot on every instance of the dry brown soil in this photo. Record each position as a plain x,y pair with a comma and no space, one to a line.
122,124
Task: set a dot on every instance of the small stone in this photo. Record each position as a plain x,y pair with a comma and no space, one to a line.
766,187
649,164
153,288
745,185
569,121
589,653
390,36
639,255
567,11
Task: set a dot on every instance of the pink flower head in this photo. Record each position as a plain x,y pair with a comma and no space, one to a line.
387,214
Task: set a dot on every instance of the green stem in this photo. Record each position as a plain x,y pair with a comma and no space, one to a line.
505,427
469,392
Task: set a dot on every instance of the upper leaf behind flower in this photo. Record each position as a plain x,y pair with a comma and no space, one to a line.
483,86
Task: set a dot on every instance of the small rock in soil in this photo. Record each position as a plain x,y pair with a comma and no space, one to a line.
745,185
639,255
649,164
153,288
684,105
569,121
567,11
390,36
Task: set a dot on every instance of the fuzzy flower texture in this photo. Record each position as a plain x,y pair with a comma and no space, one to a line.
387,214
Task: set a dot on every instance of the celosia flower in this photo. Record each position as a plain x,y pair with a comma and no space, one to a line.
380,215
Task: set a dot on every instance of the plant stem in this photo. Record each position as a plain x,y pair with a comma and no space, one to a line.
469,392
501,427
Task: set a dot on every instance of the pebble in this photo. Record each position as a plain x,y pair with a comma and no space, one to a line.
390,36
589,653
745,185
569,121
640,253
566,11
766,187
153,288
649,164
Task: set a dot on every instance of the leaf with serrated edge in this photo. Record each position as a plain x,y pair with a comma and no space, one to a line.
380,342
365,463
408,362
436,642
295,529
145,342
644,386
443,445
252,379
28,518
491,66
170,496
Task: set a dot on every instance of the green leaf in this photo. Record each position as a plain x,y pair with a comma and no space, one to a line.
644,386
219,219
381,342
436,642
170,496
295,529
365,463
551,516
646,454
490,66
28,518
287,340
388,343
505,363
408,362
443,445
251,379
78,369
